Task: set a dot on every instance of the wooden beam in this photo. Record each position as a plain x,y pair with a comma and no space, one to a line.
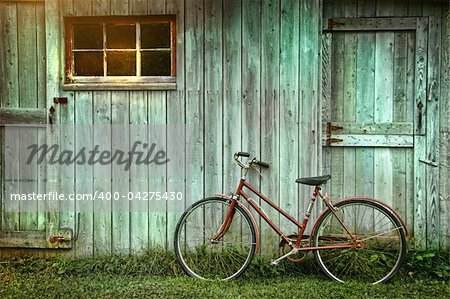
22,116
389,128
369,24
372,140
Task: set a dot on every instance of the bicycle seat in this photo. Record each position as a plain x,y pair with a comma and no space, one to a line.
314,181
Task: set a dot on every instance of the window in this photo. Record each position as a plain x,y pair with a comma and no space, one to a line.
131,52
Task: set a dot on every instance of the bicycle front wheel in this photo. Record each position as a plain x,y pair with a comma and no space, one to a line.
224,259
380,244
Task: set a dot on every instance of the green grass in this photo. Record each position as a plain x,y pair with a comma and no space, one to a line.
157,275
100,285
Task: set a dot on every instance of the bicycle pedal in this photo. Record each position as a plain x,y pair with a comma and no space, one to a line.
274,263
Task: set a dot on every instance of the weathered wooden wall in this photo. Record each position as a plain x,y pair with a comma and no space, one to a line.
248,78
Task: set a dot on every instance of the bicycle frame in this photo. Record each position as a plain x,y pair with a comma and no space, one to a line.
301,225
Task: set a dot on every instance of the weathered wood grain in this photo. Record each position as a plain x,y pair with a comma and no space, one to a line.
432,127
270,107
120,139
213,72
232,117
369,24
290,102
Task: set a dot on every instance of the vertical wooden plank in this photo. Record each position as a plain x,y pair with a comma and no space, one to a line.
444,157
10,98
432,124
232,50
213,98
27,70
289,111
119,7
270,118
337,106
103,219
400,114
120,139
68,216
194,43
349,102
157,132
384,106
53,30
251,72
365,97
84,175
410,111
189,40
420,184
309,97
99,7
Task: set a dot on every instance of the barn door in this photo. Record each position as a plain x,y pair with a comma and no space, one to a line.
27,220
374,72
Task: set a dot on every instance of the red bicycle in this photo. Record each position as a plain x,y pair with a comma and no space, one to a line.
354,238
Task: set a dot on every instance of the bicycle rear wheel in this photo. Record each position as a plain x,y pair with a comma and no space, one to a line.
380,242
226,259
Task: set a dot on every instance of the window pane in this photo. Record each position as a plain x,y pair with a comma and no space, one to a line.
121,36
88,63
155,36
155,63
121,63
88,36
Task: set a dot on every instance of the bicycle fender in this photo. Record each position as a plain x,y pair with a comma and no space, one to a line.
252,218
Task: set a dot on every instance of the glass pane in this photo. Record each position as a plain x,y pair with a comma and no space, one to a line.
121,63
88,36
155,63
155,36
88,63
121,36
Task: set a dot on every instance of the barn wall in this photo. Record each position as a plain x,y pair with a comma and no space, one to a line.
424,203
247,79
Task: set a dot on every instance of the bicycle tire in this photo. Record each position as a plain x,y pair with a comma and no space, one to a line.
383,243
201,258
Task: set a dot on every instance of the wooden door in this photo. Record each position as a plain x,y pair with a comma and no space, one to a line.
24,115
374,102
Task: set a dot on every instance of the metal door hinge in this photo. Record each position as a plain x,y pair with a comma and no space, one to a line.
57,100
333,140
330,129
332,23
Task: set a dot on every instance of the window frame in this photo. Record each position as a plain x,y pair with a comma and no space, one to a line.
105,82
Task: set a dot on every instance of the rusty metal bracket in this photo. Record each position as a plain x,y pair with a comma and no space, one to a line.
333,140
330,129
55,239
57,100
332,23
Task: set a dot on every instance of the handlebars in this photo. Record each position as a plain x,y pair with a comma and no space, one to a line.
249,164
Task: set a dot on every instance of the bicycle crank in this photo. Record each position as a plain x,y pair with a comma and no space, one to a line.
299,256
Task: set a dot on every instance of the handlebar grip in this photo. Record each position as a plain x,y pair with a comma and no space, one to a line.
243,154
263,164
